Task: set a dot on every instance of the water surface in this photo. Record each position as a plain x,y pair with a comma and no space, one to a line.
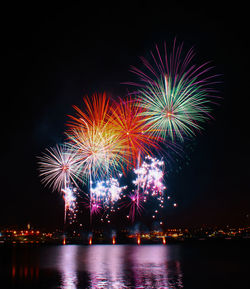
126,266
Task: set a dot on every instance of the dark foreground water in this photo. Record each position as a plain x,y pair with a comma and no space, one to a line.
188,265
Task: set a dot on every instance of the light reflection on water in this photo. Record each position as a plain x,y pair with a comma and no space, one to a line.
97,266
105,266
203,265
68,267
117,266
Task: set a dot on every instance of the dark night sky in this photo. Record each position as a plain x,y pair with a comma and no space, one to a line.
57,54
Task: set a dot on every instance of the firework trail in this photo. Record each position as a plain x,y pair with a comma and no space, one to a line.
59,169
174,94
136,200
70,200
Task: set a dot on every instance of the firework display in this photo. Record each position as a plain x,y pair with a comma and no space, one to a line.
59,169
174,93
149,184
70,199
98,151
106,193
130,125
108,139
98,147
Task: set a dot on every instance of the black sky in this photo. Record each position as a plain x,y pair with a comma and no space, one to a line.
57,54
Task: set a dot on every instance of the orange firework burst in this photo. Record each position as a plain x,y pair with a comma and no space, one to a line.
97,112
98,146
129,124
